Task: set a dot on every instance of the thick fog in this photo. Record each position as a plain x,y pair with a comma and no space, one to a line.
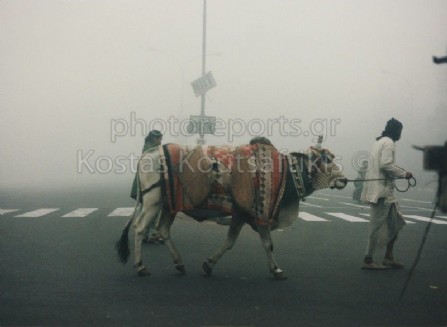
82,82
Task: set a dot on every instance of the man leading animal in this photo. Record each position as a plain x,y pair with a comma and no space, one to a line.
385,216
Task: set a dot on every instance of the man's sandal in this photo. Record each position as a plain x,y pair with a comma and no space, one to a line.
392,264
372,266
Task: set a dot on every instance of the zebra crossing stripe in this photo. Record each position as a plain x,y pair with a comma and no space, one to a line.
410,200
309,217
355,205
434,221
407,221
340,196
317,198
37,213
80,212
121,212
311,205
428,209
3,211
126,212
349,218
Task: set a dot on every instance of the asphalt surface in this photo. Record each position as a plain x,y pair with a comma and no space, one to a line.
63,271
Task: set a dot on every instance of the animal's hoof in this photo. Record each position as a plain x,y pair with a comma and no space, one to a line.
207,268
280,275
181,269
142,272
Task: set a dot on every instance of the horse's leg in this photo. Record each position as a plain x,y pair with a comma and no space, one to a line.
150,210
164,230
233,232
266,240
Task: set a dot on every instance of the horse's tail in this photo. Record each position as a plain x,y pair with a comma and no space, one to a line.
122,246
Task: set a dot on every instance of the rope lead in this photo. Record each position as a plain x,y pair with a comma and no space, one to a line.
411,182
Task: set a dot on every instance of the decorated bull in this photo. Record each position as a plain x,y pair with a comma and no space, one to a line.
255,184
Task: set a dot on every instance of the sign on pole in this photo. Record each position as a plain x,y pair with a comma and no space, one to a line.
202,125
203,84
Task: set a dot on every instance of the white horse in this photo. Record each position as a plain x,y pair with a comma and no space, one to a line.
303,174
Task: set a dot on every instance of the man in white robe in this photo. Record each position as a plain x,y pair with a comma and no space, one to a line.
151,143
385,217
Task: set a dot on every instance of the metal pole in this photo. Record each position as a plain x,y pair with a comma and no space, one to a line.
204,40
202,106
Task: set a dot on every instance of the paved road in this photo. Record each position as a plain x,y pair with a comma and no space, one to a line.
58,267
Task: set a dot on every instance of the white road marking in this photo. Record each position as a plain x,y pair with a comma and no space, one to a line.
311,205
333,208
428,210
38,213
340,196
410,200
121,212
126,212
355,205
407,221
349,218
80,212
3,211
317,198
435,221
415,207
309,217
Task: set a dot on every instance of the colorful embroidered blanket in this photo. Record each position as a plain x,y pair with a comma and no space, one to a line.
220,177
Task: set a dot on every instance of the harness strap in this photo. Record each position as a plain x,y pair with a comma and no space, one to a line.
296,176
150,188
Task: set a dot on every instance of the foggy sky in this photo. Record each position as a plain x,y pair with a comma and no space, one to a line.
73,71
